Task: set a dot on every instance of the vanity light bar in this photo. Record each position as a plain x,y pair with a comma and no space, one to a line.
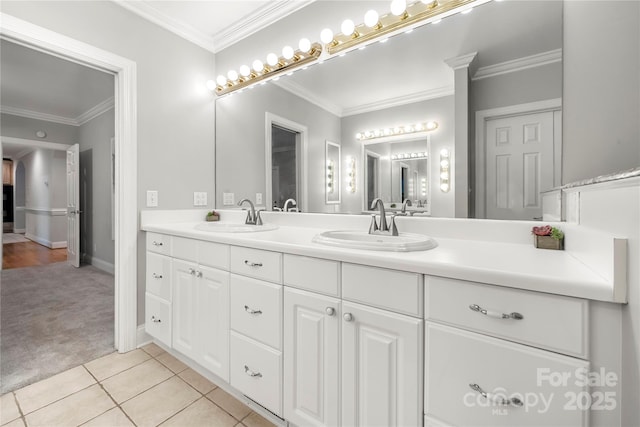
260,72
330,176
401,18
351,174
445,170
399,130
409,156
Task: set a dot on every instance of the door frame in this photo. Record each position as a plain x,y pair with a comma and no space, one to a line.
483,116
301,158
365,178
126,204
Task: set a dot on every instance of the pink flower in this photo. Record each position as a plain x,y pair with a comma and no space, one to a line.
542,231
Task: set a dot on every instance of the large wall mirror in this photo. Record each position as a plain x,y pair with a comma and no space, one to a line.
517,72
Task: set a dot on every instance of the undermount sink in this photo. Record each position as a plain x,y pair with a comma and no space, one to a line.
404,242
219,227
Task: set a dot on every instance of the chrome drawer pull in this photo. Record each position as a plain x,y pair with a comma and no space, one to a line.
496,398
154,320
157,243
251,311
198,273
251,373
157,276
252,264
192,271
496,314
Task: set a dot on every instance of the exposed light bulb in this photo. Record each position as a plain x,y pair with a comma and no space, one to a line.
371,18
232,75
272,59
358,135
398,7
444,187
258,66
211,85
304,45
444,163
326,36
348,27
221,80
431,125
444,175
245,71
444,152
287,52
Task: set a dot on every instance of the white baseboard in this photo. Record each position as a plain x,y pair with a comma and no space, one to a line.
99,264
142,337
45,242
19,230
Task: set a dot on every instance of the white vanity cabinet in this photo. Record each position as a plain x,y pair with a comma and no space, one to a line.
158,288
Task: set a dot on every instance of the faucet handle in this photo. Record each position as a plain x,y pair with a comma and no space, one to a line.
374,225
258,217
393,230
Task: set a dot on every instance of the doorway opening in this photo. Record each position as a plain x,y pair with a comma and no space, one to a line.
372,178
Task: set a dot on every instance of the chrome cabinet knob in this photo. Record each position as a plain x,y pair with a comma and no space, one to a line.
348,317
157,243
330,311
192,271
157,276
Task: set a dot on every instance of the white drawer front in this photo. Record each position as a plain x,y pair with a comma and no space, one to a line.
390,289
186,249
256,370
158,280
256,310
159,243
313,274
256,263
550,321
158,318
213,255
456,359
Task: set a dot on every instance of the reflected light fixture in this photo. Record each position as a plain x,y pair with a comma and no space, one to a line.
398,130
351,174
445,170
330,176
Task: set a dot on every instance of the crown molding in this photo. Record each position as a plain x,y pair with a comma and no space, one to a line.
309,96
83,118
21,112
519,64
261,18
95,111
400,100
255,21
187,32
462,61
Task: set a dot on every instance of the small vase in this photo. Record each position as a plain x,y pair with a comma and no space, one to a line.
548,242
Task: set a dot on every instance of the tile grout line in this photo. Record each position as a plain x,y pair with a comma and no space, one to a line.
110,397
51,403
22,416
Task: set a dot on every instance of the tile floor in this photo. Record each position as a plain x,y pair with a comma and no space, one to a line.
145,387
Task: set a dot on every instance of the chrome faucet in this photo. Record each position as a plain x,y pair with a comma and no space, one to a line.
286,205
406,203
253,217
383,228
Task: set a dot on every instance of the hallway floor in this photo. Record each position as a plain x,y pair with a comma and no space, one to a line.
145,387
29,254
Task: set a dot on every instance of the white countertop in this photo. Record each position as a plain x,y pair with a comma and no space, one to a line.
515,265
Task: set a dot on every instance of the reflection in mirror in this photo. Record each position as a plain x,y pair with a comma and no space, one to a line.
332,156
518,61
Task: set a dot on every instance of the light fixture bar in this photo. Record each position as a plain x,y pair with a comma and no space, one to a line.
416,14
283,66
397,131
410,156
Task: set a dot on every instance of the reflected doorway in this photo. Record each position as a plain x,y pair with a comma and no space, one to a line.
372,177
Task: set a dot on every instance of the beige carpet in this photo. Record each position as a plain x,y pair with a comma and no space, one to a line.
52,318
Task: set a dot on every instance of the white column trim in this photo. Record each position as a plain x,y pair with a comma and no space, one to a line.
50,42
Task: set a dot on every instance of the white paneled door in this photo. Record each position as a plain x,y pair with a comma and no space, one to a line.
73,205
521,163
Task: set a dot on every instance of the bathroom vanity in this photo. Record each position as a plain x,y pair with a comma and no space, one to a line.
477,331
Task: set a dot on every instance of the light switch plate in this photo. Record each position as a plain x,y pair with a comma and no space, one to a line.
152,198
228,199
258,198
199,198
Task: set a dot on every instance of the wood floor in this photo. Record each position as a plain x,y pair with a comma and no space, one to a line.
28,254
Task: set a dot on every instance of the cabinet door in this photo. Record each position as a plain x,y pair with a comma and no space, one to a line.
381,367
311,357
212,324
184,288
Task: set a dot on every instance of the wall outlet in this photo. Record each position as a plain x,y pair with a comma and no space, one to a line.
228,199
152,198
199,198
258,198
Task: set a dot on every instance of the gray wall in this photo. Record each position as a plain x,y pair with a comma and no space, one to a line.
440,110
26,128
601,88
175,115
240,142
94,138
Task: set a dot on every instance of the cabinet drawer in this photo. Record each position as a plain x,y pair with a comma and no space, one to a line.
158,318
186,249
214,255
456,360
390,289
550,321
158,280
313,274
159,243
256,263
256,309
256,370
